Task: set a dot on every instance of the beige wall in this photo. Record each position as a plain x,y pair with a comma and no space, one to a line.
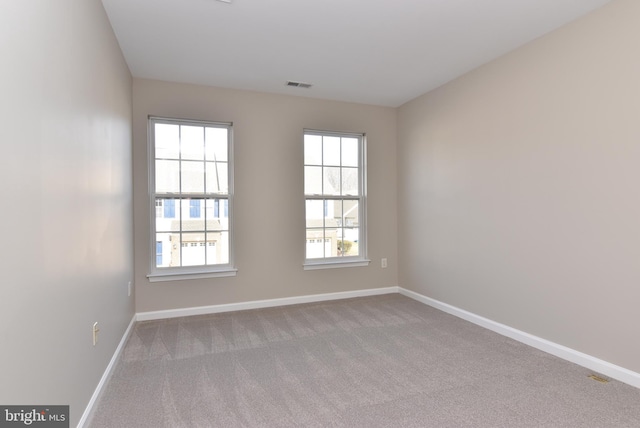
518,188
269,203
518,193
67,201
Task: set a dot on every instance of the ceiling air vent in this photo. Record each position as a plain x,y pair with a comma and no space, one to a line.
298,84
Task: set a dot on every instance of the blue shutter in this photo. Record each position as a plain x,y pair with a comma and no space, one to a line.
158,253
194,208
226,208
216,208
169,208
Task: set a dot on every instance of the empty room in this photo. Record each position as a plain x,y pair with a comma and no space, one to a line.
349,214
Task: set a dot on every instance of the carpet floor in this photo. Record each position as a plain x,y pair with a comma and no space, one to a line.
382,361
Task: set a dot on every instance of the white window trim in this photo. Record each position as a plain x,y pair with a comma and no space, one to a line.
351,261
187,272
220,273
335,264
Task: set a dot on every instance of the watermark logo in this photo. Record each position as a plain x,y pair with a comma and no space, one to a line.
34,416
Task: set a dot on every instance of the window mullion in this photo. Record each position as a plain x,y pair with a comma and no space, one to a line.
180,191
205,199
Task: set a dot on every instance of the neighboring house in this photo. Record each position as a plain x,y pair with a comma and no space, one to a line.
193,246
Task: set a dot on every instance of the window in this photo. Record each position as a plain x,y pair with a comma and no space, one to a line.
334,188
191,192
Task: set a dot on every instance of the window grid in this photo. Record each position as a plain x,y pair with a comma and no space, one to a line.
334,199
197,223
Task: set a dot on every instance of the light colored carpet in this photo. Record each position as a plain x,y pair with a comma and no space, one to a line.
383,361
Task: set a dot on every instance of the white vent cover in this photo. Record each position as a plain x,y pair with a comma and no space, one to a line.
298,84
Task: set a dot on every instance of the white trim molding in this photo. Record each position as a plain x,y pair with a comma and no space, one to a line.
600,366
107,373
603,367
334,265
184,276
257,304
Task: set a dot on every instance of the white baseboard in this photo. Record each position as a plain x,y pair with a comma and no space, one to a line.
106,374
571,355
611,370
257,304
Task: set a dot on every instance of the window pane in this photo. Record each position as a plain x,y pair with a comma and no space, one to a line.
350,181
350,214
217,214
193,215
331,181
331,242
216,144
217,248
331,151
167,176
192,142
349,244
163,249
332,213
212,247
192,177
170,249
316,247
217,177
350,152
312,150
315,213
167,141
312,180
167,219
193,249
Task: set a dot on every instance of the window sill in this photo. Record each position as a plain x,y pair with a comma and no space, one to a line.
161,277
334,264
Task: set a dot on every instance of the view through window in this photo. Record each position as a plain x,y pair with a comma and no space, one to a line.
191,195
334,196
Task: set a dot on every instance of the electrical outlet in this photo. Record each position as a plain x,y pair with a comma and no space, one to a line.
95,331
383,263
129,289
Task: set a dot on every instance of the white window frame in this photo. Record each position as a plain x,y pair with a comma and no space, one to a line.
342,261
157,274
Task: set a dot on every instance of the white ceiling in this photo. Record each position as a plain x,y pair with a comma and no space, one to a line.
381,52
